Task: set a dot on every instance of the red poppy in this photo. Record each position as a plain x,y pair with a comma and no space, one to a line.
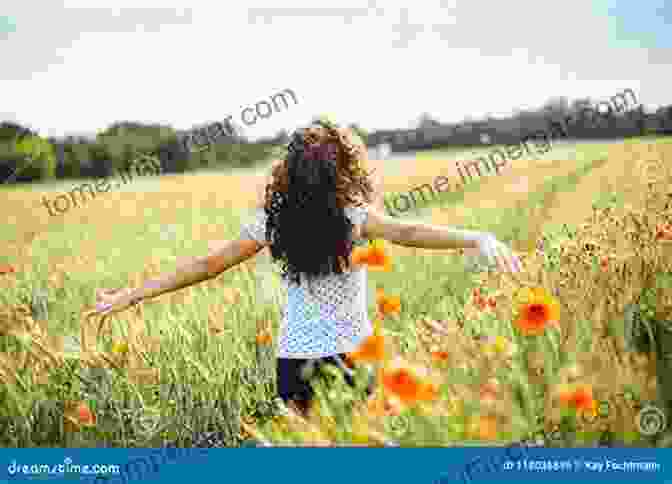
85,417
6,269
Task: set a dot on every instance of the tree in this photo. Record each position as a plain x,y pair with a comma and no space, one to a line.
39,153
426,121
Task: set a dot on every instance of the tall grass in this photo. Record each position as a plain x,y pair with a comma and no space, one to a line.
213,380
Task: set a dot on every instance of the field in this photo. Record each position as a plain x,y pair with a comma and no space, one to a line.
190,366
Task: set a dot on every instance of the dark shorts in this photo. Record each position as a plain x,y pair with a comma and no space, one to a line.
294,377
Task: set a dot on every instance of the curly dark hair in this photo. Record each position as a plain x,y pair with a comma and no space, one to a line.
305,202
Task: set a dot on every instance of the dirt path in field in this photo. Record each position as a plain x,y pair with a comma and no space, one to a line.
495,193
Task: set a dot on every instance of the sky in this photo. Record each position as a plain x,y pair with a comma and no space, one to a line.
73,67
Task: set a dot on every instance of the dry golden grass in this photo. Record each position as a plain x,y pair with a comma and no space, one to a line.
625,236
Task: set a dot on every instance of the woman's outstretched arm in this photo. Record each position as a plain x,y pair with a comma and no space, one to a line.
196,270
426,236
418,235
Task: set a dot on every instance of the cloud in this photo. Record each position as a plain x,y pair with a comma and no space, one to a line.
81,68
44,40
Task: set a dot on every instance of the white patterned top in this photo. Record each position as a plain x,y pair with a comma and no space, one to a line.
330,318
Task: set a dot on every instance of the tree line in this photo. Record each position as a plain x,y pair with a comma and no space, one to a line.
27,157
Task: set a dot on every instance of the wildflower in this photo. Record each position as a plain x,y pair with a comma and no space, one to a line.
359,255
440,356
487,427
120,347
498,345
481,303
490,389
406,385
540,310
77,414
85,416
6,269
387,304
578,397
604,263
264,338
664,232
374,255
372,350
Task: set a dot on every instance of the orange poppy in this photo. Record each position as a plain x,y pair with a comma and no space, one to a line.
580,398
378,258
407,387
440,356
85,416
487,428
372,350
374,255
538,311
6,269
428,392
604,263
481,302
664,232
388,408
264,338
359,255
490,389
387,304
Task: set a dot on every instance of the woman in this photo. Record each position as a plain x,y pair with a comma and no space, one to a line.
318,203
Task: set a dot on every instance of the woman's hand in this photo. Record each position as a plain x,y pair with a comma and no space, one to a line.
496,252
111,301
